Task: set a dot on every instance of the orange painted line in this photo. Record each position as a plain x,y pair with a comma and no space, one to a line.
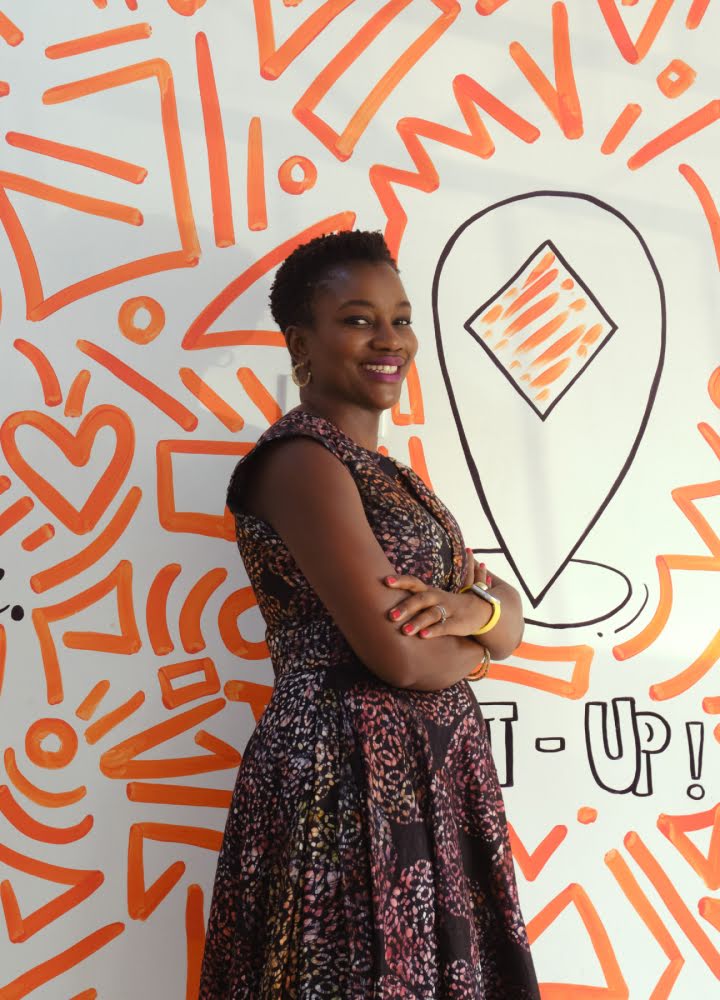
551,374
274,61
560,346
220,193
259,394
536,310
38,537
696,14
635,52
492,314
228,617
178,795
257,696
4,88
41,797
417,460
469,95
416,414
132,378
580,656
48,578
532,864
531,291
25,823
691,675
707,203
77,154
561,100
676,134
173,697
649,916
15,513
194,940
156,609
86,708
219,408
90,994
711,705
676,829
256,203
102,40
674,902
586,815
578,305
3,654
543,264
592,335
52,392
193,606
40,974
9,31
541,334
142,900
76,395
342,144
71,199
111,719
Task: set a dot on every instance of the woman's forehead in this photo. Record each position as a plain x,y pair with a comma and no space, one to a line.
360,280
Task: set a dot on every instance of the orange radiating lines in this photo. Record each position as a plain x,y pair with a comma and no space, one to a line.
158,397
76,395
25,823
79,155
156,609
691,675
15,513
215,139
52,392
676,134
178,795
55,966
195,940
674,902
70,199
256,205
530,292
38,537
622,125
41,797
9,31
649,916
696,13
102,40
545,331
219,408
113,718
191,613
259,394
92,553
562,100
477,141
86,708
707,204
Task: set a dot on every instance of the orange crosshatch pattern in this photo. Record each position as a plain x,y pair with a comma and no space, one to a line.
166,651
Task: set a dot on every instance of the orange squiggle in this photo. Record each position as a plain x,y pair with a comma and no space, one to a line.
41,797
52,392
707,204
190,631
22,821
156,609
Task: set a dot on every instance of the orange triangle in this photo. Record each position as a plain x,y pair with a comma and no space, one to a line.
82,884
635,52
532,864
274,60
616,987
676,829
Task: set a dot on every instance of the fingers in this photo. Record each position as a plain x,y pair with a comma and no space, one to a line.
428,623
407,582
406,612
482,576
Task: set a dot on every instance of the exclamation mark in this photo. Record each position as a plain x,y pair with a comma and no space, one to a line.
696,740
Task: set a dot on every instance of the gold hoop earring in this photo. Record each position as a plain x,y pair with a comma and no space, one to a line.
294,375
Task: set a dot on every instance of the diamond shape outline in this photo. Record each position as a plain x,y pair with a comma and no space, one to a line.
546,244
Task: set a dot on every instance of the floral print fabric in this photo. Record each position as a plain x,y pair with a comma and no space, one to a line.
366,854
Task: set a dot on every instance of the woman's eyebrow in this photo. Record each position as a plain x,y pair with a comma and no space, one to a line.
367,302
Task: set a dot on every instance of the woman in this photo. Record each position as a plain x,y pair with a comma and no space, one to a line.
366,851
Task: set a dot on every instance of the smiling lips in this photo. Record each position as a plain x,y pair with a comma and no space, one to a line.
385,370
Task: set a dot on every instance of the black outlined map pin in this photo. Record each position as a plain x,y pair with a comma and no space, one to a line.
549,318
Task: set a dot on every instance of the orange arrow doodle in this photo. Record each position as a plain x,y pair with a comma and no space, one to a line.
78,449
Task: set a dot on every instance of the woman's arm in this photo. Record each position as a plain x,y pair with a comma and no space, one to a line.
312,502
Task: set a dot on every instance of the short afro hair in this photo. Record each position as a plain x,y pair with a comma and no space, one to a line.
297,277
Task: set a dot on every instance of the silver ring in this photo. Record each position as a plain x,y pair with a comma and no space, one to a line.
443,613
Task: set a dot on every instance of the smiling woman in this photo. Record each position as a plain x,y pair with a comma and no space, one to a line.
366,851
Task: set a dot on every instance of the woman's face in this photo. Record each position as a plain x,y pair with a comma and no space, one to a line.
361,343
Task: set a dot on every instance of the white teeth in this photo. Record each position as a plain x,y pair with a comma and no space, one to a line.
385,369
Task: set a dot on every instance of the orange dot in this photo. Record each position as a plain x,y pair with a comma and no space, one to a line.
296,185
714,387
128,315
39,731
586,814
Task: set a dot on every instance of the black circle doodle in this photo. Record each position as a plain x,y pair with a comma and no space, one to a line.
535,599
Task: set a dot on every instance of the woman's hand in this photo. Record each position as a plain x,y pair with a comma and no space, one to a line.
420,614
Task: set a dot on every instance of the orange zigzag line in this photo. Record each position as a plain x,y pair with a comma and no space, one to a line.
684,497
469,94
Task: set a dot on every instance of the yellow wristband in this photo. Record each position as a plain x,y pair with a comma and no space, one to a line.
496,608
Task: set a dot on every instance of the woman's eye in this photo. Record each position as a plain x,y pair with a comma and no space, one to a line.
357,320
404,321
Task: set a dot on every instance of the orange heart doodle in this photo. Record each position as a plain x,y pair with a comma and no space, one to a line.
77,449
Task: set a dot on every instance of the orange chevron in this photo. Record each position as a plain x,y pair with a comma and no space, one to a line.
532,864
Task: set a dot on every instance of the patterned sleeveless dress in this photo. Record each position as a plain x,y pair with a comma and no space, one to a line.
366,853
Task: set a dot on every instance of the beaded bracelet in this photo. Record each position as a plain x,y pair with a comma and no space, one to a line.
481,670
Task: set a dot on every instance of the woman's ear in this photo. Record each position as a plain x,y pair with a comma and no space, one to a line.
295,339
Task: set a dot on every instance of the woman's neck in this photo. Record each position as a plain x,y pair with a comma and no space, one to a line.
358,423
